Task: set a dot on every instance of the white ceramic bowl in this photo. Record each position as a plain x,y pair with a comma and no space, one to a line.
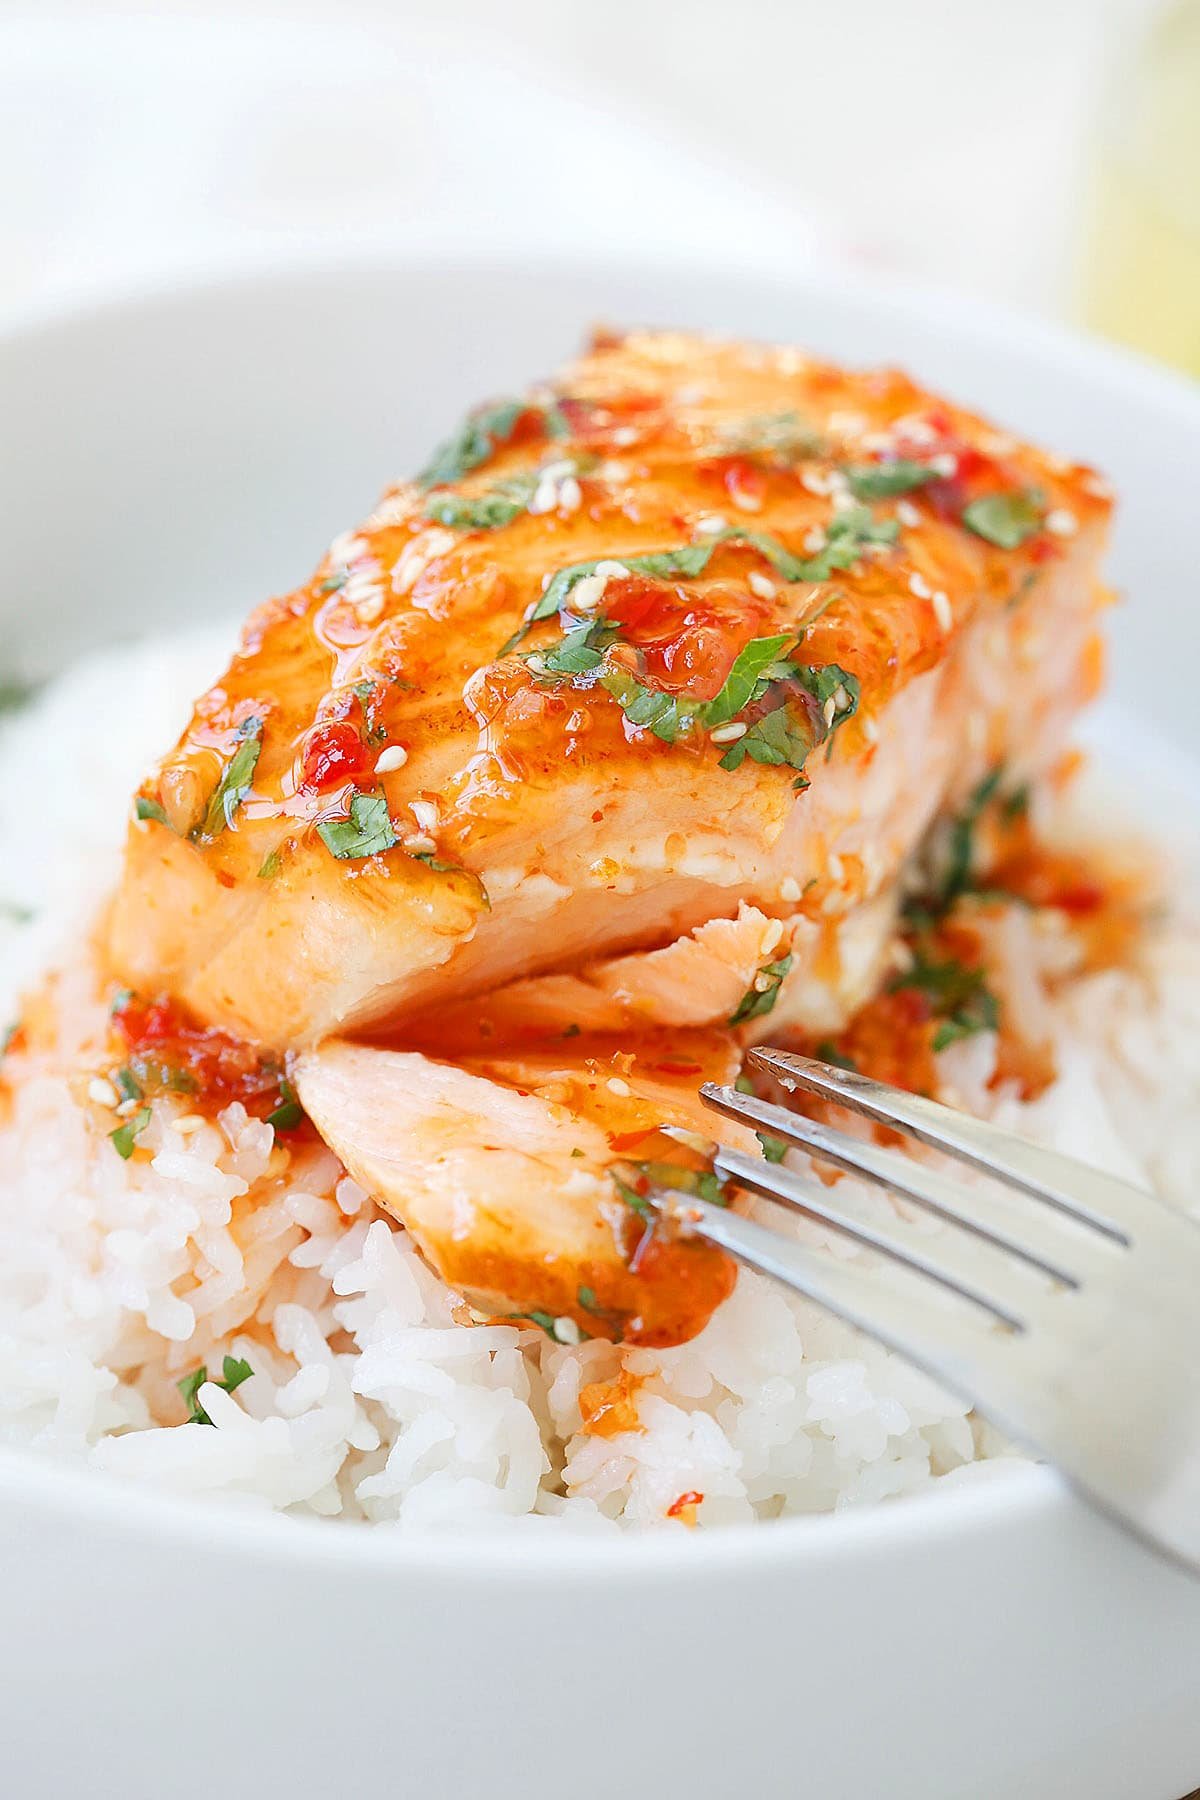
183,453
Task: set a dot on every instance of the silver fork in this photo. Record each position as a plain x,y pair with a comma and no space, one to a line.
1064,1304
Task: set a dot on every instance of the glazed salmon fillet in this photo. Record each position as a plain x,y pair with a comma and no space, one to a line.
601,749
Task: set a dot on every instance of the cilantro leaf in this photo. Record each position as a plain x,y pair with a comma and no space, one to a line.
845,538
759,999
473,442
234,784
367,832
1005,520
752,661
288,1114
880,481
663,714
124,1136
700,1182
150,809
781,737
958,997
488,511
234,1370
774,1149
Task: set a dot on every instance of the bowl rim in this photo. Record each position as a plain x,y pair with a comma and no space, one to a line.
971,1503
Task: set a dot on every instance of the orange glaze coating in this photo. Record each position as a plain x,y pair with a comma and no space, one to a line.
395,645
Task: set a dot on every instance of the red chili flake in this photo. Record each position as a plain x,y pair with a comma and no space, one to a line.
679,1068
684,1506
334,753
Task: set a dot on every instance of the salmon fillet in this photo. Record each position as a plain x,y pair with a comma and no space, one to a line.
608,742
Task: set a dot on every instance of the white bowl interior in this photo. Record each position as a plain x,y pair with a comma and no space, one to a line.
179,456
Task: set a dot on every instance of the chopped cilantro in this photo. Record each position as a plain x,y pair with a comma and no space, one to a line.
289,1112
234,1370
881,481
752,663
367,832
120,1000
759,999
333,584
545,1322
497,506
782,736
700,1182
1015,805
586,1297
635,1201
270,865
847,535
1005,520
127,1084
957,877
6,1037
150,809
448,868
234,784
473,442
958,997
124,1136
774,1149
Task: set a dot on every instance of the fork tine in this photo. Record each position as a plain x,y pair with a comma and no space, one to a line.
1043,1240
957,1345
946,1260
1113,1207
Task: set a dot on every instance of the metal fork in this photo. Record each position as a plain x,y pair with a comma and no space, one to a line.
1064,1304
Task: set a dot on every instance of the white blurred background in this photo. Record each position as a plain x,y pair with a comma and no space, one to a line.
948,139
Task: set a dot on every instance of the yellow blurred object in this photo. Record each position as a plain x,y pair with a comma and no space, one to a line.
1141,275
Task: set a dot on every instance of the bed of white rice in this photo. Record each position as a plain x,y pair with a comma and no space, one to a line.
371,1397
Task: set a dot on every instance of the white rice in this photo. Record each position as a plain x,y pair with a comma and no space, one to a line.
370,1397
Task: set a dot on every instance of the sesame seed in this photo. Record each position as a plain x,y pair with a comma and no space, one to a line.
870,729
900,956
918,585
762,585
102,1092
843,500
570,495
762,982
418,843
190,1124
610,570
708,524
944,464
942,611
771,936
567,1331
587,594
624,436
841,699
814,540
126,1107
829,709
790,889
394,757
836,867
1061,522
618,1087
745,501
728,734
907,513
425,812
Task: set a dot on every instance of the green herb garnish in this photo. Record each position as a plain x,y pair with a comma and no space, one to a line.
488,511
473,442
845,539
289,1112
150,809
1005,520
881,481
125,1135
759,999
958,996
234,784
235,1370
367,832
127,1084
268,869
